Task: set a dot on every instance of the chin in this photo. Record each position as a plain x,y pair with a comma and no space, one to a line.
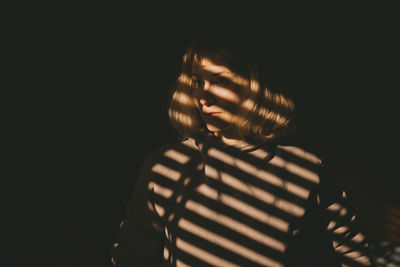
213,128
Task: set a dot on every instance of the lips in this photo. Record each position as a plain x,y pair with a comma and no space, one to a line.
211,114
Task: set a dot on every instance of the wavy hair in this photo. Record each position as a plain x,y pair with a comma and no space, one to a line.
266,114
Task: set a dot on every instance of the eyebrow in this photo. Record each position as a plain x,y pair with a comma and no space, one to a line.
214,74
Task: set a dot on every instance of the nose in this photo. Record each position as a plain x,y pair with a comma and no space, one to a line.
206,85
206,98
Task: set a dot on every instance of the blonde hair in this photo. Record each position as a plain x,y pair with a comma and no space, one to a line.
267,114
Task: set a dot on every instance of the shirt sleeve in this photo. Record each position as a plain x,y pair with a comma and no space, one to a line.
141,233
343,226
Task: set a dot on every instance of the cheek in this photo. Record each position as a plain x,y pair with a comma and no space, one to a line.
227,95
232,101
244,95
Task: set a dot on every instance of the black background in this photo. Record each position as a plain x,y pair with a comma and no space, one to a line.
87,94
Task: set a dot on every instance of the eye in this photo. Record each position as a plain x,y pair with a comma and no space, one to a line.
223,81
198,82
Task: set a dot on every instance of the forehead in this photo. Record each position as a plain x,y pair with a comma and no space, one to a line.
207,69
206,66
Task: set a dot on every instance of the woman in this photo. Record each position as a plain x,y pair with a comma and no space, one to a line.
230,194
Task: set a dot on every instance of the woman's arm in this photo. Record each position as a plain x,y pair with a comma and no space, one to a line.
141,234
342,223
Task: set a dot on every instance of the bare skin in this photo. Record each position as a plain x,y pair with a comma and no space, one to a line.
219,94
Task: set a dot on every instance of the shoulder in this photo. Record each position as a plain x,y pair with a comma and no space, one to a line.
295,152
165,171
299,162
172,155
310,167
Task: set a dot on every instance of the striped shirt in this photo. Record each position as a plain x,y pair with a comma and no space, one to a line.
200,203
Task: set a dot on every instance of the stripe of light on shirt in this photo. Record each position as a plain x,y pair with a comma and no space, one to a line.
155,208
235,225
166,253
181,264
276,160
295,169
341,230
159,209
163,192
353,255
177,156
286,185
190,143
244,208
166,172
160,190
334,207
178,262
334,227
272,179
301,154
355,240
337,208
202,254
256,192
358,238
226,243
262,174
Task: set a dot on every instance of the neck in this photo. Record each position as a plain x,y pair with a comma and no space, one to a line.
228,140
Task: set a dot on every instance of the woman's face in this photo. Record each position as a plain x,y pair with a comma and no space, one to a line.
218,94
